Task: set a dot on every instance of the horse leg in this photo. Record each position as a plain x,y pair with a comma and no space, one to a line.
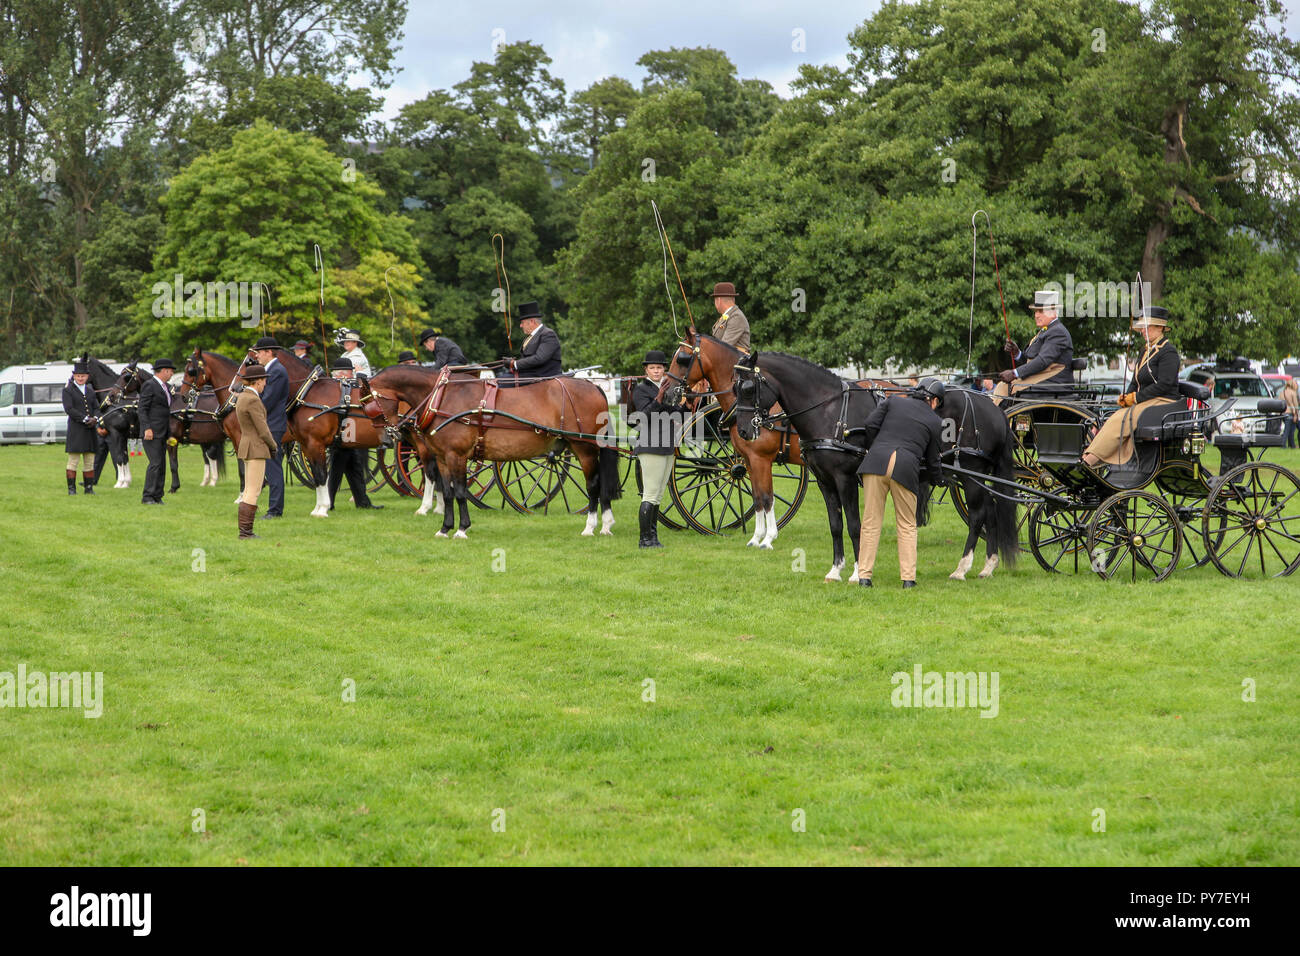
432,476
974,521
447,465
831,496
460,488
240,465
591,473
848,488
314,453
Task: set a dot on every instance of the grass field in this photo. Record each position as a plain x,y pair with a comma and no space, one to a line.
501,717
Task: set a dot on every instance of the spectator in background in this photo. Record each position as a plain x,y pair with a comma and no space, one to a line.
1291,396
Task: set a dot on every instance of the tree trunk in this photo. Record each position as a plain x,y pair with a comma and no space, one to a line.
1153,257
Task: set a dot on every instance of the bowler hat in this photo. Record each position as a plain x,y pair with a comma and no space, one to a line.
530,310
341,365
407,357
726,289
1151,315
655,357
251,372
163,363
1045,300
429,334
265,342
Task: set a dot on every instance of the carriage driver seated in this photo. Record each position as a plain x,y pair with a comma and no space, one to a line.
1154,384
1048,357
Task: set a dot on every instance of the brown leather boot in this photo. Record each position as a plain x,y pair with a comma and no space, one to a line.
72,480
88,481
247,513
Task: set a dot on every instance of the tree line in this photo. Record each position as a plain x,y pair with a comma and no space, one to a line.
171,169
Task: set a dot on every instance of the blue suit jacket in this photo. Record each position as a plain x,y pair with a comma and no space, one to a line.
275,397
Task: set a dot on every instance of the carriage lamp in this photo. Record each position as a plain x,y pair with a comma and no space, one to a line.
1022,424
1197,443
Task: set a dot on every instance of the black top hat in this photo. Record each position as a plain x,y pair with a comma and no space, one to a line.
163,363
428,334
407,357
530,310
266,342
655,357
80,368
341,365
251,372
1151,315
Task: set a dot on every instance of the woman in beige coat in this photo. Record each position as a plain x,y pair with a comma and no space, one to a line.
256,444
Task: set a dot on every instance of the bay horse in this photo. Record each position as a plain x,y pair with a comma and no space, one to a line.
703,358
464,417
830,414
188,424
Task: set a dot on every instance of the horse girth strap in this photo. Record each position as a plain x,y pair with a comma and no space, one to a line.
486,406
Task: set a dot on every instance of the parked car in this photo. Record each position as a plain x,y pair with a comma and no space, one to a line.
1107,389
31,402
1238,390
1275,383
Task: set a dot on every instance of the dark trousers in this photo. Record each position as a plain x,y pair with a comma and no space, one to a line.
156,451
350,462
275,478
1289,431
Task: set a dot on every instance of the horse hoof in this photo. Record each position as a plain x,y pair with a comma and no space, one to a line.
765,546
588,533
460,534
957,576
422,511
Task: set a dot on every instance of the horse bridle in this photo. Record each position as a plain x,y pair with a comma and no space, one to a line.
683,381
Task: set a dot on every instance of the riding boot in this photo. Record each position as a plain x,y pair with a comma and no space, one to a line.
642,515
88,481
72,481
247,513
653,536
648,515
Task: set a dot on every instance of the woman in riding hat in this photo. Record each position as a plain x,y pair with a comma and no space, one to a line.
658,427
256,444
352,346
1154,384
81,405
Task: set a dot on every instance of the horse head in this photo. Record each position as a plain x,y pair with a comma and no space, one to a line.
755,395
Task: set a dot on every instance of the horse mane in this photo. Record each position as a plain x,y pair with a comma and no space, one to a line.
800,362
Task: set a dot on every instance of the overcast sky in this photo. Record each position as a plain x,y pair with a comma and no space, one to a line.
589,40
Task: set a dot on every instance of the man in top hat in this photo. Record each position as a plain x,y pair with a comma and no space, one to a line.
732,327
407,357
257,445
352,346
81,405
445,351
539,356
275,397
301,348
155,423
1047,357
347,461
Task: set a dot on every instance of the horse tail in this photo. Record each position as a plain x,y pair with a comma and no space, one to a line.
219,447
923,493
607,472
1005,533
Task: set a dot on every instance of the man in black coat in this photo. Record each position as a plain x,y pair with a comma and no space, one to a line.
275,396
1048,357
903,442
81,406
349,462
539,356
445,351
155,419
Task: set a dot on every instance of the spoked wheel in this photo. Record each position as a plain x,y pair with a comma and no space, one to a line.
405,472
1135,534
299,467
375,477
1058,536
1251,521
552,481
1190,509
957,493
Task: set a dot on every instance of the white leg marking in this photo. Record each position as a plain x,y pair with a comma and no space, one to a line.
963,566
590,529
989,566
322,509
834,573
853,578
460,534
772,530
428,500
607,522
760,529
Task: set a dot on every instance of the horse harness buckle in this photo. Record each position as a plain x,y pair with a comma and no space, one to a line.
486,406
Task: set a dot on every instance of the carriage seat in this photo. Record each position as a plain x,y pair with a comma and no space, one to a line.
1192,390
1078,365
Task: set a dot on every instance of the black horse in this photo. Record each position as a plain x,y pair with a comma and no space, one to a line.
193,421
829,414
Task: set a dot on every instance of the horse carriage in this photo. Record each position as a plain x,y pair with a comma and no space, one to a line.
1241,514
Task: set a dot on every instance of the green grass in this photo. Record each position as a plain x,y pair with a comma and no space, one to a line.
478,690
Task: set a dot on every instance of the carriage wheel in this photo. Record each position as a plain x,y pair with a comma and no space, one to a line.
375,477
406,475
299,466
1058,536
1190,508
543,483
1135,533
1252,518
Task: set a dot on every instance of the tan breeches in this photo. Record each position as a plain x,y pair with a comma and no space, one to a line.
875,488
85,457
1114,442
254,473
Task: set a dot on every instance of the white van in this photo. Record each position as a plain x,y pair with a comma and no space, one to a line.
31,402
